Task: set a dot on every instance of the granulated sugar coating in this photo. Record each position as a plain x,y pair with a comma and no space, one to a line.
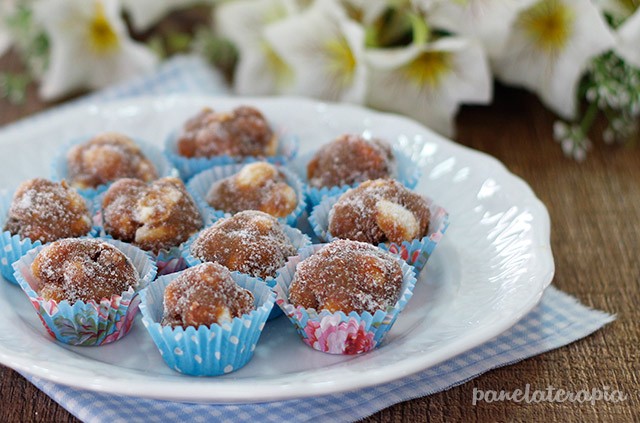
250,242
377,211
47,211
242,132
105,158
82,269
258,186
349,160
204,295
347,276
154,216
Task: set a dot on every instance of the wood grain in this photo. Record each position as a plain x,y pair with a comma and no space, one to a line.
594,208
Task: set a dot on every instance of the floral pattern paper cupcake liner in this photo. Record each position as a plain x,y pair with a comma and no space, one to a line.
207,351
189,167
406,171
339,333
169,261
416,252
91,323
298,239
12,246
200,184
59,169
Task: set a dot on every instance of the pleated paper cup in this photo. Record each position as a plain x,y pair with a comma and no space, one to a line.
338,332
207,350
415,252
13,246
189,167
201,183
91,323
60,170
298,239
406,171
168,260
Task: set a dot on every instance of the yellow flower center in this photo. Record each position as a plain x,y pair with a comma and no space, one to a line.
341,63
102,36
429,68
549,23
278,67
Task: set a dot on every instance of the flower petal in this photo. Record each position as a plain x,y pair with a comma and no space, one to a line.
488,21
550,47
429,82
90,46
260,70
145,13
243,21
629,39
325,50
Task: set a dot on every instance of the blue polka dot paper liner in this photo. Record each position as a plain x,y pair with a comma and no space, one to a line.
13,246
207,350
298,239
200,184
59,168
189,167
169,260
406,171
416,252
91,323
338,332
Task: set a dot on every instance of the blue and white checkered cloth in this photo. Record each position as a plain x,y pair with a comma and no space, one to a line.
558,320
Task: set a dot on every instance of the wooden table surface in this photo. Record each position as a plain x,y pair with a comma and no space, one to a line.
595,215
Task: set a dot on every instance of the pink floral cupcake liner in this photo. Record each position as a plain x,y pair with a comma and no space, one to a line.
339,333
91,323
207,350
189,167
59,169
416,252
407,172
200,184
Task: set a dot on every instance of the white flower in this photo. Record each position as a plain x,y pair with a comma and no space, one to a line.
260,70
489,21
429,81
628,46
325,50
550,47
572,139
90,47
145,13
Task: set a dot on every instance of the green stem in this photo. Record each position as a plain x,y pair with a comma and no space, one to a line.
589,117
421,31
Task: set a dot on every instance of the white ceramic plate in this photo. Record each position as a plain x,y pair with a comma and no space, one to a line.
491,268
